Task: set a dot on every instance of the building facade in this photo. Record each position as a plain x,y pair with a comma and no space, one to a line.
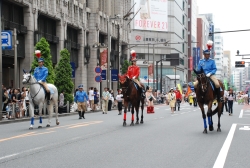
77,25
152,45
227,65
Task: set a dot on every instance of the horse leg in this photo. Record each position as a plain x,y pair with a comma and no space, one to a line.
31,111
50,111
142,108
137,112
204,117
40,106
125,113
132,119
209,116
219,114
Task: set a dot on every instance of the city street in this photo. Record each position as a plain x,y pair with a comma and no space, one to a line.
100,140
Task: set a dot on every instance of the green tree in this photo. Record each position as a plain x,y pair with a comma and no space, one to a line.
125,66
63,72
43,46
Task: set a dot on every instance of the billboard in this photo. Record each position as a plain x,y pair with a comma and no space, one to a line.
152,15
104,57
150,71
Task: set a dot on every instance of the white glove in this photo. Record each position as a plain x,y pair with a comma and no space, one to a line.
134,77
39,81
208,75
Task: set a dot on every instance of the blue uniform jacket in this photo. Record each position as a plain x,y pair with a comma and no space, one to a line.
208,66
41,73
80,95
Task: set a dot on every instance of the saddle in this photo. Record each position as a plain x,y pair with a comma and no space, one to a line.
211,83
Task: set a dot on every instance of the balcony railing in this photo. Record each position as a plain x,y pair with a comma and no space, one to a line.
11,25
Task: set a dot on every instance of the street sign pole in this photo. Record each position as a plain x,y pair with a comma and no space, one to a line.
1,68
15,60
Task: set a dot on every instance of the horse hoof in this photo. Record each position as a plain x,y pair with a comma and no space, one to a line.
211,128
141,122
205,131
47,125
132,124
137,122
124,123
218,130
39,126
30,128
57,123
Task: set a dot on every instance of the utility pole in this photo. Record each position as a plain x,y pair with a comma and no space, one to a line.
108,63
1,62
15,59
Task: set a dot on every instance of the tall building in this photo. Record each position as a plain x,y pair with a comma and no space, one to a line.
227,66
193,50
202,33
160,29
219,54
77,25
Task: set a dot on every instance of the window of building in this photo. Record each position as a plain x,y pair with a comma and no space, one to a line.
183,19
141,56
183,5
183,47
183,33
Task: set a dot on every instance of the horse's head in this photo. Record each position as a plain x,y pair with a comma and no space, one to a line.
26,77
202,79
123,79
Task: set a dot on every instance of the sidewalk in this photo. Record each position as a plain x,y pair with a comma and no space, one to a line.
15,120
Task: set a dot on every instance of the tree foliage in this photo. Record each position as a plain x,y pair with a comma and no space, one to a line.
43,46
125,66
63,72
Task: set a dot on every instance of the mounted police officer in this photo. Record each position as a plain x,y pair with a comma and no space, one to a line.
134,72
41,73
209,67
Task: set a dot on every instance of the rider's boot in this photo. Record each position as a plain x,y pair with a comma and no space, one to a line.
48,98
219,98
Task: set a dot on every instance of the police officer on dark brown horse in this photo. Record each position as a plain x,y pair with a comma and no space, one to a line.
209,67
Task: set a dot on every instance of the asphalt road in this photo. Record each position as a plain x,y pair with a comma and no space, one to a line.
100,141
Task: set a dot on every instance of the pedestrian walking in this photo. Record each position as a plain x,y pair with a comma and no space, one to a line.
171,99
149,98
81,98
178,98
96,98
105,100
91,98
119,100
230,99
225,101
111,100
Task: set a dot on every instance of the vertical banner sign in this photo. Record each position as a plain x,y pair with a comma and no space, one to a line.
104,57
150,71
152,15
194,57
198,56
114,75
73,66
191,63
103,74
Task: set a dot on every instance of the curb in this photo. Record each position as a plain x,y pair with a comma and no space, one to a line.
16,120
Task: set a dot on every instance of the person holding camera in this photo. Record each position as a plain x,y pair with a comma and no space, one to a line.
150,97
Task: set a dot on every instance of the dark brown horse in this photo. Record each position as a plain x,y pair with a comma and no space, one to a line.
206,95
131,93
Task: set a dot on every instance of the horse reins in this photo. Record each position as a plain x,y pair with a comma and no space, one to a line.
38,90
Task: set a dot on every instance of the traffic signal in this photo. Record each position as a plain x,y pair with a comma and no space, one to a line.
239,63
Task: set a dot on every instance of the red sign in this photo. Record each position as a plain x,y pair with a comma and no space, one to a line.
138,38
104,57
150,70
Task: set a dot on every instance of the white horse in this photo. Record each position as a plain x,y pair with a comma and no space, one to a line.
37,97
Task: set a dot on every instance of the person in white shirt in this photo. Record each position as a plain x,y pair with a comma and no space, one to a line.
119,100
225,101
91,98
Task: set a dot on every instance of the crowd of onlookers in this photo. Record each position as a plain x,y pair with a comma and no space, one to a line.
15,102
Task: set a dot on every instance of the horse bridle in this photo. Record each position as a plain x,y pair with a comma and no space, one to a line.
203,85
27,82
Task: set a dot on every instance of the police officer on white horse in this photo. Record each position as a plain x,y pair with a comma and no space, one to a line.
41,73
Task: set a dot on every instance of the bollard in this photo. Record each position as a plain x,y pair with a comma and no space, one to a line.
68,107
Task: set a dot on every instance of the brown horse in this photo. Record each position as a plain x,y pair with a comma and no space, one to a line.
206,95
131,93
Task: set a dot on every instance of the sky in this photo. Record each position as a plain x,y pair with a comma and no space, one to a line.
230,15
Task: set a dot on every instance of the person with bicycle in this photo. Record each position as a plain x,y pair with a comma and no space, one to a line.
178,98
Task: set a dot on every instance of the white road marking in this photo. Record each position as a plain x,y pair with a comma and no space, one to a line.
241,113
246,128
220,161
9,156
